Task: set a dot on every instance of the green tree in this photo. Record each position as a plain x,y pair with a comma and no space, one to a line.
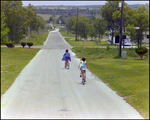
15,18
106,12
31,18
54,19
4,29
134,18
127,13
40,23
92,31
83,26
100,25
141,17
71,24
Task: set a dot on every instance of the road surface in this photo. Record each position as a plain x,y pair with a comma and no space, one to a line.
45,89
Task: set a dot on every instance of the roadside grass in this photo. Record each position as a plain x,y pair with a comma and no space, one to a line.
81,43
37,39
65,34
70,38
146,45
128,77
13,60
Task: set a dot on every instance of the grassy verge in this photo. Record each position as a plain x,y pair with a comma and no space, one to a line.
13,60
37,39
70,38
129,77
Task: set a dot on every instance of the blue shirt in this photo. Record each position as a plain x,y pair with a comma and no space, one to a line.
83,66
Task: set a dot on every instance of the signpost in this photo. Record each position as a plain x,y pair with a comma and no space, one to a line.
84,41
26,39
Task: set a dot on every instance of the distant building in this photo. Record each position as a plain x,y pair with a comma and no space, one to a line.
116,38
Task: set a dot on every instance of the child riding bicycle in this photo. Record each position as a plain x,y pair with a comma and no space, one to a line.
83,68
66,57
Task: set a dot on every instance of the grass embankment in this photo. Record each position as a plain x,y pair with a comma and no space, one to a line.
13,60
37,39
129,77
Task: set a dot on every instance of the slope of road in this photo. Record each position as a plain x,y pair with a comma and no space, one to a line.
45,89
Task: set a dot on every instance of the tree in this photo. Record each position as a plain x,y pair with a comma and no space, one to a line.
134,18
71,24
15,19
4,29
40,23
83,26
31,18
50,19
141,18
54,19
92,31
106,12
100,26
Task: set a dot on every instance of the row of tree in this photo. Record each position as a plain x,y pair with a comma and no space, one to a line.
17,21
110,21
87,26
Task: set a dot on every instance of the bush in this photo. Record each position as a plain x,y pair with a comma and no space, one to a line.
29,44
9,44
141,51
23,44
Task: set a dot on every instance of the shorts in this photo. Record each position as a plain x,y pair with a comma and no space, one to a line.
67,58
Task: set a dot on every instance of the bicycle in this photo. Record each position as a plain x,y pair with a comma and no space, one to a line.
67,63
83,77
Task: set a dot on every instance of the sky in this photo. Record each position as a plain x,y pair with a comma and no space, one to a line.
36,3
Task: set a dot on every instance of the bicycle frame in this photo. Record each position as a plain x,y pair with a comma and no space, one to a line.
67,63
83,77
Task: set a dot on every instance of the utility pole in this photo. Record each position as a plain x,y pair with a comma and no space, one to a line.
121,24
77,26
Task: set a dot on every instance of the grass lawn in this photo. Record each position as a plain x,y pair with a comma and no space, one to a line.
13,60
129,77
37,39
70,38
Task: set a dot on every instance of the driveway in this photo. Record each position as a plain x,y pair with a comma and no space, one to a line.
45,89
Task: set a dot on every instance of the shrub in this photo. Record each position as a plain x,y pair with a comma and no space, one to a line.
141,51
29,44
9,44
23,44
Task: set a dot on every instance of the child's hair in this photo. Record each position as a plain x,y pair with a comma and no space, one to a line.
67,50
83,59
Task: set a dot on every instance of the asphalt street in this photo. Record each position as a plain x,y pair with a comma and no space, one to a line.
45,89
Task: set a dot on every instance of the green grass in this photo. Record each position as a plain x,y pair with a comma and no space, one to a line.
70,38
129,77
37,39
13,60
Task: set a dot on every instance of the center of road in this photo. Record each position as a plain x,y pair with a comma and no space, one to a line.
45,89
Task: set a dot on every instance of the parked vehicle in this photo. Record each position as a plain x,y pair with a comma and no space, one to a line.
127,42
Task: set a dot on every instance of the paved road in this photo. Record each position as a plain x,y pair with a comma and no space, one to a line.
44,89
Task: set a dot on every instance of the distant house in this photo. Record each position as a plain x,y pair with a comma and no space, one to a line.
116,38
146,37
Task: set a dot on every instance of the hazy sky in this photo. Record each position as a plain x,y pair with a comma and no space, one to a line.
35,3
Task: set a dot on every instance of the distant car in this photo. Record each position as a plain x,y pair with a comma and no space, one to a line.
127,42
